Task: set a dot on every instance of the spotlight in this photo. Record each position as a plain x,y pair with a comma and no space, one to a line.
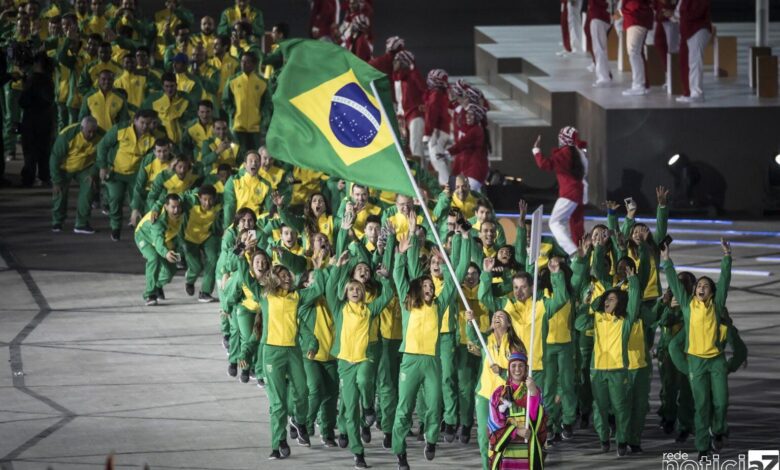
685,178
777,158
678,161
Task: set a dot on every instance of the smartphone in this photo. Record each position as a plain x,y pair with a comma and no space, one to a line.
630,204
666,241
252,234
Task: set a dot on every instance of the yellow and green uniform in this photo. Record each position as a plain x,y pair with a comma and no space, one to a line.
150,167
168,182
69,65
675,395
233,14
121,151
245,190
95,24
13,89
247,107
189,86
171,50
73,158
107,108
201,232
91,72
173,112
154,240
227,65
208,78
209,159
306,182
177,16
420,366
353,322
193,136
707,366
136,87
361,216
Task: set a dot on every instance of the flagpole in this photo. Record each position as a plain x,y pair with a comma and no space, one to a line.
428,218
536,239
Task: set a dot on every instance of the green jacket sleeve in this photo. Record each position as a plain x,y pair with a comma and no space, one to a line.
139,186
229,203
399,276
104,148
560,295
158,235
379,303
678,290
724,282
485,292
310,294
59,153
661,223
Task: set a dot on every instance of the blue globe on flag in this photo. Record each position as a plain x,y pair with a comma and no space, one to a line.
353,119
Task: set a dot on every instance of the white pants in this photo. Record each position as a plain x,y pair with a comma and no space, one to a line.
574,18
598,39
635,43
559,224
672,32
416,129
475,185
696,45
437,154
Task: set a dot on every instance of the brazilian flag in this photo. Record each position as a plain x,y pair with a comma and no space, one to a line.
327,117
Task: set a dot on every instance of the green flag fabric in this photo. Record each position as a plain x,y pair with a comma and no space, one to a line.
326,117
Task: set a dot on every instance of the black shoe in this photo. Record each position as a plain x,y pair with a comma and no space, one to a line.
274,455
430,451
57,228
402,463
284,449
387,441
244,376
668,427
360,461
365,434
293,433
226,342
584,421
303,439
682,436
295,428
717,442
260,383
189,289
369,415
421,432
232,369
705,455
116,235
605,446
151,300
328,442
556,438
611,420
567,432
449,432
205,298
465,434
622,450
160,293
343,441
635,449
84,230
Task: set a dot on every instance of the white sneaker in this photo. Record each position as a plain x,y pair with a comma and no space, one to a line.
591,67
562,53
635,92
601,83
690,99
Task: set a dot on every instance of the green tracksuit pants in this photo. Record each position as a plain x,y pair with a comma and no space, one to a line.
387,383
709,384
118,190
247,141
559,365
448,357
417,370
482,406
66,116
349,421
585,392
322,381
202,259
611,390
242,324
280,364
366,378
640,402
84,205
225,309
12,116
158,272
468,374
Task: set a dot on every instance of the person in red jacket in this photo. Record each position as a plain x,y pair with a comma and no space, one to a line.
324,14
599,21
437,122
357,40
384,62
570,164
471,150
409,89
637,21
353,9
667,32
695,33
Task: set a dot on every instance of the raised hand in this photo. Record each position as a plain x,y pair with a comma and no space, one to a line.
404,243
665,252
612,205
538,142
554,265
630,271
343,259
522,209
488,264
725,245
277,198
382,271
644,232
661,195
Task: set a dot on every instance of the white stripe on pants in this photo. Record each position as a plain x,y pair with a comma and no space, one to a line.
437,154
416,128
598,36
574,18
635,43
696,45
559,223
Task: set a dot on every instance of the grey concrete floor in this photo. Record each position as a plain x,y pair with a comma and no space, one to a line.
91,370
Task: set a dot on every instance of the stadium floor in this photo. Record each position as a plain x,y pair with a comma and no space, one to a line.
90,370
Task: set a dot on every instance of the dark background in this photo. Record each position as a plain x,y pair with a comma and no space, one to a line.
441,32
